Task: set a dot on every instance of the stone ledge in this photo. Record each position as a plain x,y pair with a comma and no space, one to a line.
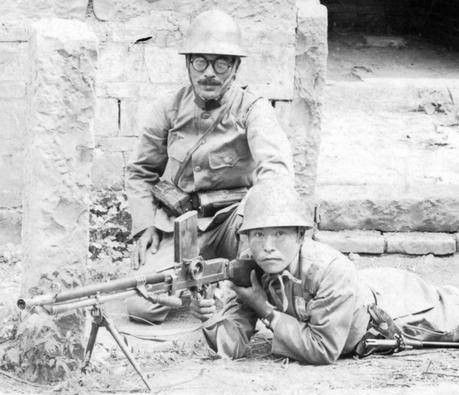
374,242
366,242
14,30
420,243
400,214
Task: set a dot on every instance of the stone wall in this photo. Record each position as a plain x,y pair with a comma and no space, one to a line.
138,62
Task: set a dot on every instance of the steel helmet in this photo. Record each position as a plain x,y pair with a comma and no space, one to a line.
213,32
272,204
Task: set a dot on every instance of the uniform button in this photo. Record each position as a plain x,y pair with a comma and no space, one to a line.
203,141
228,159
197,168
205,115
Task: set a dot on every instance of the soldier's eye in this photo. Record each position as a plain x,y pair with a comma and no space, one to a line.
221,65
199,64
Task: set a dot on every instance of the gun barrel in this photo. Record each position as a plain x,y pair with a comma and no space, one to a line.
410,343
94,289
441,344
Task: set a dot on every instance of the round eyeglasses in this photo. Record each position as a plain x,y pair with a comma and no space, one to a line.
220,65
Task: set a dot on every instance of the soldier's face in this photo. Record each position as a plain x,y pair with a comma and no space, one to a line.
211,75
274,249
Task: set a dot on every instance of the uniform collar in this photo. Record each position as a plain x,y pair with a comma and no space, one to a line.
209,105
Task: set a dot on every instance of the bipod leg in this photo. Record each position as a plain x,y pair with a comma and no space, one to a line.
116,335
95,325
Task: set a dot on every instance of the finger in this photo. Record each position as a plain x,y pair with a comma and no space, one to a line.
135,258
235,288
205,302
206,310
254,280
155,240
142,251
201,317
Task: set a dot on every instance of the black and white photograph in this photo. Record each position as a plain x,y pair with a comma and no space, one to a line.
229,197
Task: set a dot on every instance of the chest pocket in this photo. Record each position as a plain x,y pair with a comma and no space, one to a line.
301,299
223,158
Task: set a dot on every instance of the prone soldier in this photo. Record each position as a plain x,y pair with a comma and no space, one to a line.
318,306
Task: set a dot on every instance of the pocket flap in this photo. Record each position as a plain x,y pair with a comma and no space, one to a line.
220,159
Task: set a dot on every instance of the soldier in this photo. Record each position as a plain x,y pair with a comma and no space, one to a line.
316,303
208,136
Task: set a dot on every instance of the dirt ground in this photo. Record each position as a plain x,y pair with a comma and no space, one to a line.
183,364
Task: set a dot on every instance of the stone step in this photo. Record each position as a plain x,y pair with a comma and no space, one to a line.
348,207
389,156
391,94
373,242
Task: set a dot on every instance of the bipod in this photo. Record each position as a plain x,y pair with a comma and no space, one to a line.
99,318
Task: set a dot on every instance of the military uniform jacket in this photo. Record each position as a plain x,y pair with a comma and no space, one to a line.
326,314
327,309
247,146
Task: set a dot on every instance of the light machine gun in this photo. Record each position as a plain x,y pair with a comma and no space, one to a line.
190,272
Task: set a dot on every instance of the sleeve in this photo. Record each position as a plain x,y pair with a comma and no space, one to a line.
147,166
322,338
230,335
268,143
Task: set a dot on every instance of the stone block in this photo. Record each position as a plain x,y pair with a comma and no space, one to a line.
107,117
13,30
116,144
120,62
13,58
341,208
12,119
135,115
353,241
163,27
270,65
12,89
134,90
10,226
164,65
420,243
26,9
304,112
59,148
11,180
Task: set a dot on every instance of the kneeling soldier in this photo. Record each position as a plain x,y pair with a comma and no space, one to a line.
318,306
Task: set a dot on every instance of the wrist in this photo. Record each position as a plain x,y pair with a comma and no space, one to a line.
268,318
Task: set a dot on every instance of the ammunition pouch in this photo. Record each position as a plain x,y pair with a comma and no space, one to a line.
176,202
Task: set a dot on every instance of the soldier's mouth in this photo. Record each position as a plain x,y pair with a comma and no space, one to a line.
209,83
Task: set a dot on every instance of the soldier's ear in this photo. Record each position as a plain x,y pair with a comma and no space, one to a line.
301,232
237,63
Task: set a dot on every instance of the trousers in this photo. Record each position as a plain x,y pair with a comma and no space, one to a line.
221,241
